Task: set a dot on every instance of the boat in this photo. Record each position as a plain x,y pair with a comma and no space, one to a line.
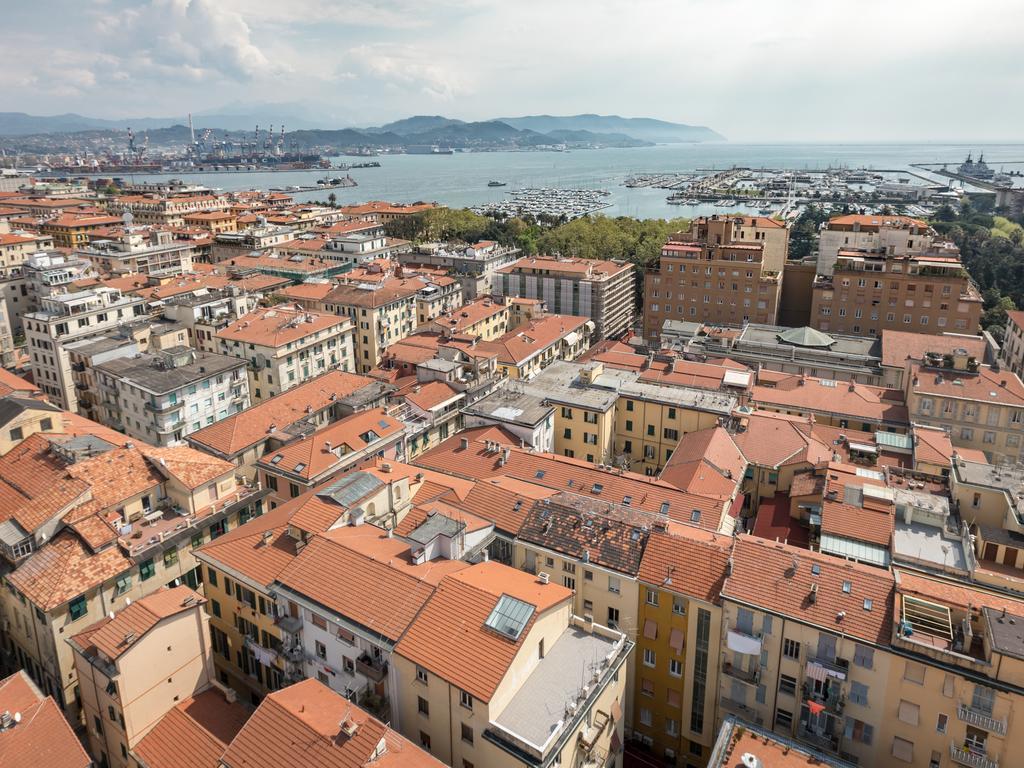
496,184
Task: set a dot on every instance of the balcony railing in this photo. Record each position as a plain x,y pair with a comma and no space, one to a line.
821,741
371,668
979,719
747,676
971,757
744,710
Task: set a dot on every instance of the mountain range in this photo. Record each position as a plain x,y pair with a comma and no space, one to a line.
604,130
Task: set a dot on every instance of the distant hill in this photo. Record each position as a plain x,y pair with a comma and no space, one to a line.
416,124
645,128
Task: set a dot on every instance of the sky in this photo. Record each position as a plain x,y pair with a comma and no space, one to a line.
765,70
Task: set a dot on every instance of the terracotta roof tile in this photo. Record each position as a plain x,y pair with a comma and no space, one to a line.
706,462
808,393
299,727
279,326
43,737
246,550
64,569
763,576
238,432
194,734
108,636
449,637
691,562
898,346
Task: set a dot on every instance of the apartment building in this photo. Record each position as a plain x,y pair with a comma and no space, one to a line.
139,252
163,396
300,465
1011,354
166,211
475,266
525,351
604,291
431,412
896,235
244,437
15,249
491,643
381,314
805,642
70,317
287,346
484,318
708,274
254,636
321,728
135,665
678,644
239,243
207,311
73,230
96,525
980,407
872,292
39,733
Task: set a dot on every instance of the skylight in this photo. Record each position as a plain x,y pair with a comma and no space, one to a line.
867,604
816,569
664,507
627,500
509,617
276,459
847,587
598,488
695,516
299,467
540,474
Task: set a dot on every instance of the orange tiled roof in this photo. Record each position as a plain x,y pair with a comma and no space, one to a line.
279,326
987,386
530,338
64,569
43,737
34,484
431,395
299,726
689,561
240,431
449,638
560,473
808,393
312,452
763,576
188,466
194,734
246,551
370,593
706,462
108,636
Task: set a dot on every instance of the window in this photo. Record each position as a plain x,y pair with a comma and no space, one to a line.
650,658
903,750
421,675
983,700
613,618
791,649
16,434
645,717
614,584
422,706
864,656
857,731
941,722
646,686
675,668
424,738
467,734
787,684
321,650
671,727
146,570
652,597
783,719
77,607
678,606
122,584
914,672
859,693
319,621
215,606
170,558
466,699
211,576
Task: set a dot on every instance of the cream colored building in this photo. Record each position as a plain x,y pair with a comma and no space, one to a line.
381,314
287,346
135,665
490,644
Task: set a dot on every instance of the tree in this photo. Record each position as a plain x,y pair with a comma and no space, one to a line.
111,189
332,199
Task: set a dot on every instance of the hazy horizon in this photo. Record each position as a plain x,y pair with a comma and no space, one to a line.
782,72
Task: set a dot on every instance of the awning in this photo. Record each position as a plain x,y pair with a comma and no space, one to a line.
743,643
816,672
651,629
571,338
676,640
863,448
736,378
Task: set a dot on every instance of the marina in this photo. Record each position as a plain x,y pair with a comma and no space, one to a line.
546,201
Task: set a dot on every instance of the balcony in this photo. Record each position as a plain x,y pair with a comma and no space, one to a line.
834,700
290,624
742,642
374,669
165,408
743,710
823,741
971,756
751,677
981,720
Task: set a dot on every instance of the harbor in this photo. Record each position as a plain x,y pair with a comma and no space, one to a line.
548,202
333,183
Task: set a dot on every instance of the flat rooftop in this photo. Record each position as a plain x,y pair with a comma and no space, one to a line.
928,544
540,704
511,406
1007,632
146,372
842,345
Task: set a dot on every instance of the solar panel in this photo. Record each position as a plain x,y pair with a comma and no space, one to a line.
509,617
